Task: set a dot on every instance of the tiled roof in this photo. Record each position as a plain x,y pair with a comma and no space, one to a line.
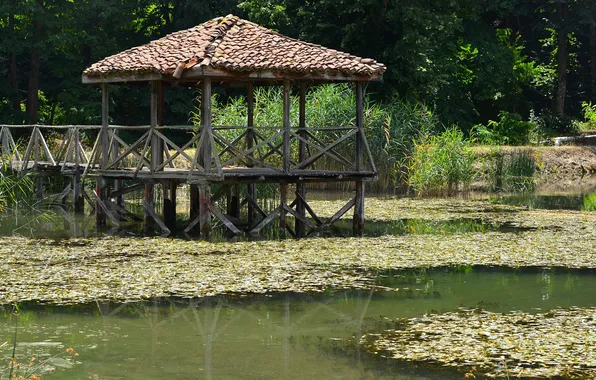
234,45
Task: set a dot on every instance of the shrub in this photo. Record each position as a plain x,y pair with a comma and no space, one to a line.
509,130
441,164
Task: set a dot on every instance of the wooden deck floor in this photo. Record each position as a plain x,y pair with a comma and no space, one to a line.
228,174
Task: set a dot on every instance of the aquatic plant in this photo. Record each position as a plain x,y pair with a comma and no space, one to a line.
441,164
555,344
13,187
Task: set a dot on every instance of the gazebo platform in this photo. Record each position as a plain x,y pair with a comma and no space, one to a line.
228,51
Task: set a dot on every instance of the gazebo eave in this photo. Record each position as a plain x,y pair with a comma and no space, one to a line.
196,73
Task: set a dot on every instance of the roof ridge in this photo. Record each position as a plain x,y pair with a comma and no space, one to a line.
224,27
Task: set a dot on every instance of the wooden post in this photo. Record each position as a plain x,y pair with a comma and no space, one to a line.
301,186
251,187
286,126
100,186
155,154
204,189
194,204
358,221
283,194
77,195
169,204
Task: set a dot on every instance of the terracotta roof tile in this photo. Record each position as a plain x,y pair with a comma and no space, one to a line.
235,45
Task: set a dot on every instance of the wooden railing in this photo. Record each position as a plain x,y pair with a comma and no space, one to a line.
184,151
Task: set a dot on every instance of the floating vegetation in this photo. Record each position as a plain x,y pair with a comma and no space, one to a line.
559,343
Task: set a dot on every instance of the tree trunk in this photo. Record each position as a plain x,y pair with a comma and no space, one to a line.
561,59
33,90
12,70
593,60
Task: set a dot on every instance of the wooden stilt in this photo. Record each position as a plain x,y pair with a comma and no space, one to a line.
148,203
358,225
204,212
251,187
299,226
169,209
283,194
235,202
358,221
100,216
251,194
156,154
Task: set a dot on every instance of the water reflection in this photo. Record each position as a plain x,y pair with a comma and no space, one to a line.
291,336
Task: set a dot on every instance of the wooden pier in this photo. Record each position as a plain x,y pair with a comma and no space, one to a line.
222,165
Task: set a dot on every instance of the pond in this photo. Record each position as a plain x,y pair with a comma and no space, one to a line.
287,336
282,309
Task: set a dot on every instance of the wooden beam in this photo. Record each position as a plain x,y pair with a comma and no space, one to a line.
199,72
206,121
120,78
300,219
287,126
103,149
359,125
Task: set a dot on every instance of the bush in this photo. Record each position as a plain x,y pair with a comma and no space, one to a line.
441,164
509,130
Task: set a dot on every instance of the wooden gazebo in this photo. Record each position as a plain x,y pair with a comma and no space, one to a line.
229,50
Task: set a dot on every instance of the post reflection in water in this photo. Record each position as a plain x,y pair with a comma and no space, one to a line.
290,336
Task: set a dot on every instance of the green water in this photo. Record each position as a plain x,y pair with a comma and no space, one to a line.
282,336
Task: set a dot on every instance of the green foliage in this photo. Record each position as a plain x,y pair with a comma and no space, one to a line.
510,129
14,189
589,111
510,170
442,163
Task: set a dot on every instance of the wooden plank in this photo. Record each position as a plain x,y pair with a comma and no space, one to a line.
302,218
144,153
126,190
266,221
330,152
310,210
251,150
130,149
179,151
227,144
198,72
249,156
122,211
218,214
320,154
121,78
149,209
338,214
100,202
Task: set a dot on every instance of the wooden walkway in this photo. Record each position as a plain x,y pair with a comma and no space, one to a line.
124,159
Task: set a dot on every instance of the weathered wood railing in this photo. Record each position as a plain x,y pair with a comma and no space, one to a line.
239,150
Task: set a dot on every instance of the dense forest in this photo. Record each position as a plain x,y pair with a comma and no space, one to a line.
468,61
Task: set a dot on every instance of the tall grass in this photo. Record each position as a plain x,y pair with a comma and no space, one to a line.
509,170
14,189
441,164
